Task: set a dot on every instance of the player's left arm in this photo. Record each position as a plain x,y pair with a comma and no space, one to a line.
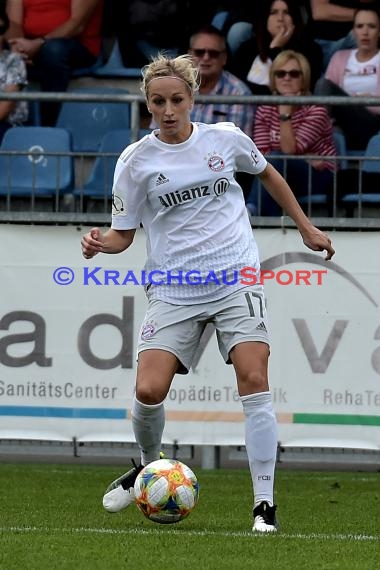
281,192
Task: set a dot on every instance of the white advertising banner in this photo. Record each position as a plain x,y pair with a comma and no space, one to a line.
68,331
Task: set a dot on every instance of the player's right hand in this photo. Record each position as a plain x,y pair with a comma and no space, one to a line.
92,243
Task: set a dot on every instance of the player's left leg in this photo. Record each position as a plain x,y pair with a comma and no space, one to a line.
250,361
242,332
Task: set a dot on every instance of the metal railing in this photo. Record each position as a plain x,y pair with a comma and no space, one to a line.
67,209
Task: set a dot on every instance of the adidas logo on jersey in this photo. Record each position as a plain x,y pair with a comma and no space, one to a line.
161,179
261,327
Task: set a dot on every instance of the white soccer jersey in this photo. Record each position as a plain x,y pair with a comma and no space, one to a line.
192,210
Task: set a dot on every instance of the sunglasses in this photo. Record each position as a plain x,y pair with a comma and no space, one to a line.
212,53
293,73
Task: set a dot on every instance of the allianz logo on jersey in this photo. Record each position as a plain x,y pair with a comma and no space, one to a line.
177,197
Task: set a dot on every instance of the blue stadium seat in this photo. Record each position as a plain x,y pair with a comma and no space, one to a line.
372,150
36,173
219,19
88,122
88,71
370,176
341,150
114,67
99,183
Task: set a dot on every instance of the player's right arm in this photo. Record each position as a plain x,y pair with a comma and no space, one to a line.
112,241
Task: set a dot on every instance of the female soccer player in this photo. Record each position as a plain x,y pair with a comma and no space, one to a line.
178,182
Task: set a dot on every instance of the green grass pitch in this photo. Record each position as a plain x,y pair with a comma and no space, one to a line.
51,517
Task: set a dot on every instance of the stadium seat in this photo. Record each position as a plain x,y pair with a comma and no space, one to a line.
370,177
114,67
88,122
88,71
372,150
36,173
341,150
99,183
220,19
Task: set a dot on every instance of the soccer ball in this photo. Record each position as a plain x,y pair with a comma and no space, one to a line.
166,491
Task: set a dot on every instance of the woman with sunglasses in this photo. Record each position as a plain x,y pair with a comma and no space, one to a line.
179,183
294,130
279,26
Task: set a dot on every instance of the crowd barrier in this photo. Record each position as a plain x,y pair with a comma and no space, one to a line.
78,205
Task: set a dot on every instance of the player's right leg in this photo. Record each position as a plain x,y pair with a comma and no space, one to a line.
155,372
120,493
168,339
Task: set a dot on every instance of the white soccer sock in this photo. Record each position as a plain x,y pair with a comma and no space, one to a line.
148,423
261,443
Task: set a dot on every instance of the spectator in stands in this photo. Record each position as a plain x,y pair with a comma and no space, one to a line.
150,26
208,48
279,26
154,26
55,37
236,19
331,24
293,130
143,28
356,72
12,79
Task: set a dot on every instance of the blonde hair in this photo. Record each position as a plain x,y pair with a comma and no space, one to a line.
181,67
282,58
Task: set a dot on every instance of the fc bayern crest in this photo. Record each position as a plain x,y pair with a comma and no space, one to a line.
215,163
148,331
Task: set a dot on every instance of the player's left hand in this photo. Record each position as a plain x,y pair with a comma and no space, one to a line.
316,240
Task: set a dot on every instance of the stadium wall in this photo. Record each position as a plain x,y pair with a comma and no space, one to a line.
67,351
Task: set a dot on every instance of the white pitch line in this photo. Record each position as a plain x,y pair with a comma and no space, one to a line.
284,476
135,531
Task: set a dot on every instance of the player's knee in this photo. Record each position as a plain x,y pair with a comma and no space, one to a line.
253,381
149,394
